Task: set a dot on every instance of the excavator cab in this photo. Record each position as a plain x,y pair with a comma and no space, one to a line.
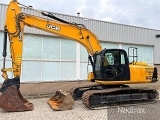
111,65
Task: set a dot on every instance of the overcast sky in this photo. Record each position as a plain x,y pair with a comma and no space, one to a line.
143,13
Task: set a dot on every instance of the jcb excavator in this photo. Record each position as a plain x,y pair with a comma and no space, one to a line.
111,67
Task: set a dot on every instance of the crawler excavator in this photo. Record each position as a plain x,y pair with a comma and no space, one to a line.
111,67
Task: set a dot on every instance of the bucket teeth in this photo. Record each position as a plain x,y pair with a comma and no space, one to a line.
61,101
12,100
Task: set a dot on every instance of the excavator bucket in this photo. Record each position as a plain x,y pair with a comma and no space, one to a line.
61,100
12,100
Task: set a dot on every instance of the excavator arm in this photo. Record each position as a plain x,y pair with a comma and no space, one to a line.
14,29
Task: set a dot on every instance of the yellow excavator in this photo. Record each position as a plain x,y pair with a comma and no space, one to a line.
111,67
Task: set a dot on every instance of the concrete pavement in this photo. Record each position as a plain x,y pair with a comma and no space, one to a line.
42,111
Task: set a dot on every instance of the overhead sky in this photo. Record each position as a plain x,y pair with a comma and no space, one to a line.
143,13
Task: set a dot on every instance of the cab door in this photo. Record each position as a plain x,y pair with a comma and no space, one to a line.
115,65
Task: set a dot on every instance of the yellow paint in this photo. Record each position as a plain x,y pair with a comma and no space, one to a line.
16,21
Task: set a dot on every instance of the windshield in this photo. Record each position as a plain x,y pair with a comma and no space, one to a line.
98,62
113,58
97,66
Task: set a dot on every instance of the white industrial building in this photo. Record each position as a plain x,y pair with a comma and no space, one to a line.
47,57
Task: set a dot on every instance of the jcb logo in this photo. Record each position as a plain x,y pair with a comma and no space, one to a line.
53,27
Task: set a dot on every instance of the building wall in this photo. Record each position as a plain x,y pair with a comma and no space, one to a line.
47,57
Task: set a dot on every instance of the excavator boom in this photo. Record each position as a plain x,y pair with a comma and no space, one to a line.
14,29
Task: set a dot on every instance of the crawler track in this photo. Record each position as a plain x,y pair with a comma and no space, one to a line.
114,97
98,97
